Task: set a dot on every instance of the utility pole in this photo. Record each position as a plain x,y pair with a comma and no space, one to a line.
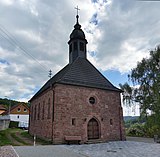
50,74
9,108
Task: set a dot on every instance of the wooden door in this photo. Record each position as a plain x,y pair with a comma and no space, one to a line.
93,129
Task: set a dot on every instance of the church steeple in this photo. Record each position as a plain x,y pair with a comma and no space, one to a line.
77,42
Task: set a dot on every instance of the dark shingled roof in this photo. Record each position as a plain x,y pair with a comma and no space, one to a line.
80,73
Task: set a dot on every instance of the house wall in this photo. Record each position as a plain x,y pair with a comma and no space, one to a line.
73,102
22,119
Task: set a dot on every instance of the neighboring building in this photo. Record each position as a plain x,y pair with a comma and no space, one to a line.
19,113
2,109
4,122
77,101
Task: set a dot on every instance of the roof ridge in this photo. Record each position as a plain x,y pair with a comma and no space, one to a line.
80,72
100,73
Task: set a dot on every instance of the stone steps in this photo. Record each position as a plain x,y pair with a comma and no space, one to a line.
94,141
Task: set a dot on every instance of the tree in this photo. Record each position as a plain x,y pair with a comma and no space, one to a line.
127,94
146,78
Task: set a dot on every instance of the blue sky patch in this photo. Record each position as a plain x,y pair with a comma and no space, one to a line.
3,61
94,19
94,1
115,77
92,53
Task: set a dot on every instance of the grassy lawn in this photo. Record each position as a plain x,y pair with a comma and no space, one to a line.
39,140
3,138
14,136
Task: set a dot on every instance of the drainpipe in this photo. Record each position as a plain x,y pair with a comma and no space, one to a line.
53,98
120,123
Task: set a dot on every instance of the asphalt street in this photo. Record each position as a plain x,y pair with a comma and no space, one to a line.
45,151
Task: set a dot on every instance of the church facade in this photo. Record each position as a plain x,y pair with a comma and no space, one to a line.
78,101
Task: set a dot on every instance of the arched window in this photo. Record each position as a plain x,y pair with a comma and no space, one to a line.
38,111
43,109
49,108
81,46
35,112
70,48
75,46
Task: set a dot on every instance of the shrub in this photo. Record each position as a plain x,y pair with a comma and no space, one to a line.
136,130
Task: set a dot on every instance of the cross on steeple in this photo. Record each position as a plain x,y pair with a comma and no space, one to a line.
77,9
77,13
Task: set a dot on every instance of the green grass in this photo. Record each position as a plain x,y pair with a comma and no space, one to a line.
18,139
26,134
39,140
3,138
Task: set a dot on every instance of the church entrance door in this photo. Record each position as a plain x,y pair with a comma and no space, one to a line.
93,129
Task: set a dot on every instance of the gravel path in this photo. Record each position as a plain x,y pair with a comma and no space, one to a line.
7,151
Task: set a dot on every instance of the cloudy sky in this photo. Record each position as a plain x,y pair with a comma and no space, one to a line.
34,36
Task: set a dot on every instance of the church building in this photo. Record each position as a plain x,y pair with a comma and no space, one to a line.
78,102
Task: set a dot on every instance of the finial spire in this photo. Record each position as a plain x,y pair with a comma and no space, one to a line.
77,16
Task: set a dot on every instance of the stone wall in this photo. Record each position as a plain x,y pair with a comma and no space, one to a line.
71,103
40,121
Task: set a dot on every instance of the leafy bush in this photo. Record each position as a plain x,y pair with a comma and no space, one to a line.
136,130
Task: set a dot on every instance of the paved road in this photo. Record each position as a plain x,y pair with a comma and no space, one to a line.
46,151
110,149
145,147
118,149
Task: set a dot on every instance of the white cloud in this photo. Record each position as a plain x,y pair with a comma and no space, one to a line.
119,34
6,2
128,31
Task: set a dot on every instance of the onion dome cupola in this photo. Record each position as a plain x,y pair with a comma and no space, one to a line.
77,43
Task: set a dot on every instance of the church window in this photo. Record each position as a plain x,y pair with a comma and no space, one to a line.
25,110
111,121
38,111
31,111
92,100
74,121
43,110
70,48
81,46
18,109
49,108
18,116
35,113
75,46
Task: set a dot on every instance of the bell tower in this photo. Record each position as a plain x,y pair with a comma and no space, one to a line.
77,42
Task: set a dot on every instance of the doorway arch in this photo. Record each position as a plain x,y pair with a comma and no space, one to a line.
93,129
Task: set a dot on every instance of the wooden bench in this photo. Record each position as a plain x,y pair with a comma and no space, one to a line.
70,139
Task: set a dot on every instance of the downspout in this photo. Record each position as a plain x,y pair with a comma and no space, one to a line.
29,117
53,98
120,123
